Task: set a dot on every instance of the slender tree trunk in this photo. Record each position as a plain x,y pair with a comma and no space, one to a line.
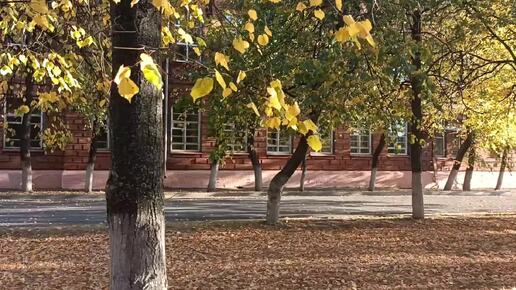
25,157
134,191
92,157
26,161
464,147
418,210
376,159
466,186
503,165
212,184
303,175
279,180
257,167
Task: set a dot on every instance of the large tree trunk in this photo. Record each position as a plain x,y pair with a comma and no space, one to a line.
279,180
503,165
418,210
469,170
257,167
303,175
464,147
92,157
26,162
212,184
134,190
376,159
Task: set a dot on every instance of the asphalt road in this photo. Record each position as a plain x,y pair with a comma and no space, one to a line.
81,210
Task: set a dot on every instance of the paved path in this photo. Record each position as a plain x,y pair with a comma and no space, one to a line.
70,210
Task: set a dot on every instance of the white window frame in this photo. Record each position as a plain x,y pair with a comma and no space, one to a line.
230,128
278,145
6,146
395,150
358,133
184,143
188,47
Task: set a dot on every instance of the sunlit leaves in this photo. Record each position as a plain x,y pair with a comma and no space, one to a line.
201,88
263,39
127,88
314,142
241,76
222,60
252,14
150,70
220,79
353,29
240,45
319,14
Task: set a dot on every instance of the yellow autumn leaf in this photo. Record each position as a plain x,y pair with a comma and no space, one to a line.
127,89
252,14
342,34
227,92
42,21
274,102
338,4
314,3
220,79
249,27
263,39
124,72
314,142
39,6
348,19
233,86
221,59
292,111
267,31
319,14
301,7
150,70
23,109
201,88
273,123
310,125
252,106
240,45
241,76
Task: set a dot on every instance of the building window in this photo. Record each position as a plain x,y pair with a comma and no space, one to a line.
278,142
186,131
13,132
236,138
360,142
102,139
439,145
398,139
184,51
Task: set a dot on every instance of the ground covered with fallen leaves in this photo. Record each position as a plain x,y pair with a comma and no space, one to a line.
444,253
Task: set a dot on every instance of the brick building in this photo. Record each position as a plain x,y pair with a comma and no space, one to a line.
345,160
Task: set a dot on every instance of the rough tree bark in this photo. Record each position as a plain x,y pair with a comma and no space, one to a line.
503,165
212,184
303,175
418,210
464,147
255,161
374,164
279,180
468,176
134,191
26,161
92,157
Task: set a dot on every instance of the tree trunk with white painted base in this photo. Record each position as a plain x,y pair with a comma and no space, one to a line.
278,182
255,161
25,157
503,165
214,171
468,176
134,191
90,167
464,147
374,163
416,81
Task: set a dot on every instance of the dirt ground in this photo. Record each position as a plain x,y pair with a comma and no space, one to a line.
444,253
